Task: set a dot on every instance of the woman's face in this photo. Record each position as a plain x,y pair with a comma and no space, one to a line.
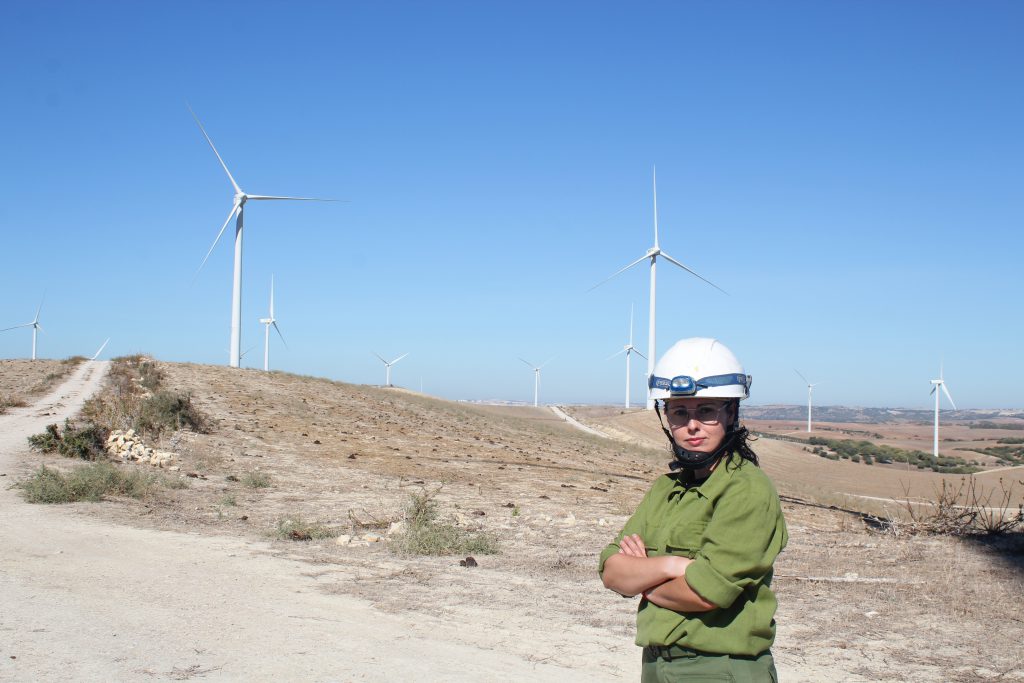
698,424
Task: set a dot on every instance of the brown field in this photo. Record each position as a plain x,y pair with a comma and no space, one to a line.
23,380
853,485
855,605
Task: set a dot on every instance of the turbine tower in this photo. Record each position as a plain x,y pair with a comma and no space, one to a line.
387,367
936,384
652,254
35,328
536,379
810,389
237,211
271,320
628,349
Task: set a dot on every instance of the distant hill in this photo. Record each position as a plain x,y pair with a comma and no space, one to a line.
874,415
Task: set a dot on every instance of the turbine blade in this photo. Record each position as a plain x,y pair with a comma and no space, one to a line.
691,272
399,358
100,350
932,391
802,377
545,362
272,298
223,165
298,199
617,353
36,319
381,359
236,207
16,327
946,392
280,335
654,177
621,270
639,354
528,363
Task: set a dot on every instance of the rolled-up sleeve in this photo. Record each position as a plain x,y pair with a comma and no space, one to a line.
740,544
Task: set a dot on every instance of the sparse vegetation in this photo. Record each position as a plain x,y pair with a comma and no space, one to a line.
1010,454
425,535
256,479
869,452
294,528
136,399
87,483
11,401
964,510
85,443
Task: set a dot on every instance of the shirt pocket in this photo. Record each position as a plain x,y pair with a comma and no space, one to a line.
686,539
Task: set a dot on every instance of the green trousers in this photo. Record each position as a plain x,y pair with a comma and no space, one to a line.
672,664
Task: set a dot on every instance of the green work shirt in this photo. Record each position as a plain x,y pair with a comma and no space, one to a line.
731,526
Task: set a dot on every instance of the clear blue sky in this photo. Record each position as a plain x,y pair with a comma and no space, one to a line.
850,172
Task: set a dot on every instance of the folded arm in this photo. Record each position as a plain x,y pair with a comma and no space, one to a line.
661,579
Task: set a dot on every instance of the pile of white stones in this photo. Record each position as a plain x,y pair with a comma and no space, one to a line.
129,447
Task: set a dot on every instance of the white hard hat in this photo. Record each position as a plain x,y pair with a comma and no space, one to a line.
699,367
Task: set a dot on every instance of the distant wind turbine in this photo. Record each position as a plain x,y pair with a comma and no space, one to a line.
100,350
237,210
652,254
536,379
268,322
936,384
628,349
810,389
387,367
35,328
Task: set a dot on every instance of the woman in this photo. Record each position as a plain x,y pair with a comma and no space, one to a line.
700,548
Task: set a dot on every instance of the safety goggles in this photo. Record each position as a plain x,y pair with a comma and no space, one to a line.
684,385
705,413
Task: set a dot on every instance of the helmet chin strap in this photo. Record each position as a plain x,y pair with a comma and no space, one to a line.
695,460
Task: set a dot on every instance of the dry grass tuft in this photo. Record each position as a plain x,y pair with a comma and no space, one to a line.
425,535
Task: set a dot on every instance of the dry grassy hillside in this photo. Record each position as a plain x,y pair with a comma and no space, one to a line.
21,380
871,488
855,605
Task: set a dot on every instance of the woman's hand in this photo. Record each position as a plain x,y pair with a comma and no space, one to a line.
633,546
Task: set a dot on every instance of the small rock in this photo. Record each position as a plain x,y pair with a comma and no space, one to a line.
479,513
509,505
396,528
231,477
316,441
352,456
468,562
174,468
373,538
343,539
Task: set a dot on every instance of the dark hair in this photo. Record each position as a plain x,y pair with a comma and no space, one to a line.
741,439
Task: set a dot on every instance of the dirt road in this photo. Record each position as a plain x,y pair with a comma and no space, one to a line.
88,600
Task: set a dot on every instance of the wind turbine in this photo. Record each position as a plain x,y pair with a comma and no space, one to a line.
652,254
387,367
237,211
35,328
268,322
628,349
810,389
536,378
100,350
936,384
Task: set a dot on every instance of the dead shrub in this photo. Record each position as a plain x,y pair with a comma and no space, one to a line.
967,509
85,443
294,528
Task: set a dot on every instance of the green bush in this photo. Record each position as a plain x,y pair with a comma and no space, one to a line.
88,483
85,443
